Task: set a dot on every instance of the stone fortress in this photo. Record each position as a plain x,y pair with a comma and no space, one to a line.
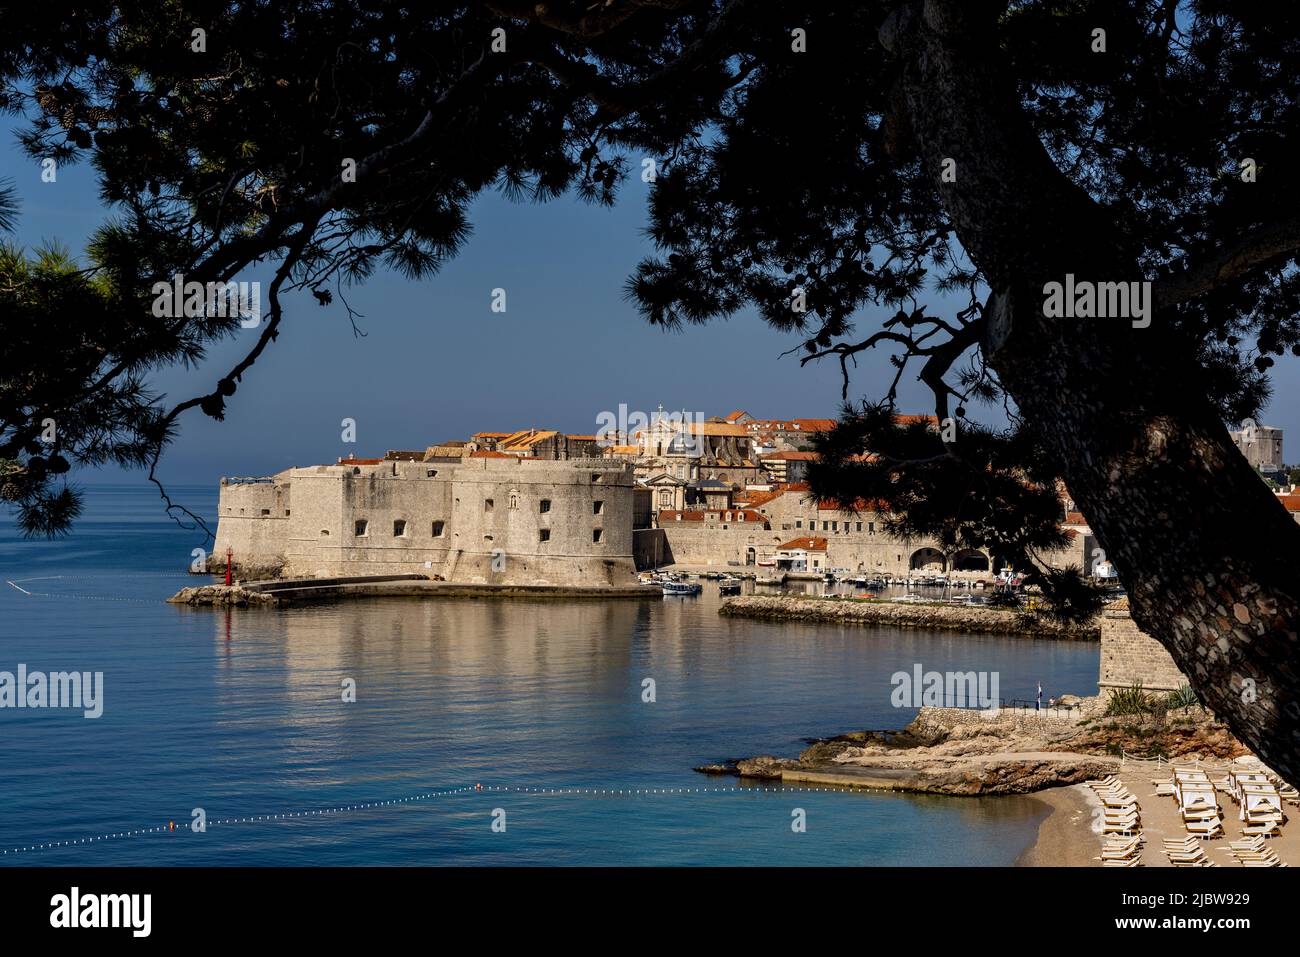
537,507
491,520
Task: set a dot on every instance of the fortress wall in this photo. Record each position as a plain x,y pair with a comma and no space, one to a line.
320,536
334,499
503,542
871,554
252,521
691,543
1129,655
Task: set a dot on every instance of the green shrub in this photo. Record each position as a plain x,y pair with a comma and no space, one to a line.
1184,697
1131,700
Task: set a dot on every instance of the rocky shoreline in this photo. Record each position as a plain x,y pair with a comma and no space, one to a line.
965,751
994,621
942,751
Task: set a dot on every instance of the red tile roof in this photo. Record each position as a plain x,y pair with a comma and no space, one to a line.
791,456
756,499
807,544
489,454
861,505
1290,502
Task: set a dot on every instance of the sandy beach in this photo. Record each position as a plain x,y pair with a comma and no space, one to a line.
1066,837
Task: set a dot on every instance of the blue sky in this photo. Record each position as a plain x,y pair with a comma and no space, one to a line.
436,363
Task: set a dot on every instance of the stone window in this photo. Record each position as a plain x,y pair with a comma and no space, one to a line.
825,525
597,535
514,499
437,529
871,528
544,506
798,523
324,533
266,511
488,504
598,507
430,473
286,513
544,535
360,528
859,526
595,477
399,528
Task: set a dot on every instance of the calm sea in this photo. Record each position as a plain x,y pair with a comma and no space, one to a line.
242,714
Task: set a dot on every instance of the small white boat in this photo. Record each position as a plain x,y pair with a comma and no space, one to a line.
682,588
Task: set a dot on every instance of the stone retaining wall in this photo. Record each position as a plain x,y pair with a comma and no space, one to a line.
897,615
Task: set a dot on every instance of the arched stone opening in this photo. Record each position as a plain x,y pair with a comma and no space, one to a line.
928,559
970,560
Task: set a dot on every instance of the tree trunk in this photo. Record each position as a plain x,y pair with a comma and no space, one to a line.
1208,554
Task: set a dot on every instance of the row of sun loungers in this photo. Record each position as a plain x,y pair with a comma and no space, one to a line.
1186,852
1260,797
1121,819
1119,805
1253,852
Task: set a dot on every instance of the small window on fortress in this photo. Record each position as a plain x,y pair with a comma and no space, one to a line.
266,511
360,528
324,533
488,504
286,513
399,528
437,529
595,476
597,535
544,506
598,507
430,473
544,535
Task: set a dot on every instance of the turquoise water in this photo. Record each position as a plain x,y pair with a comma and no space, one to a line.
241,713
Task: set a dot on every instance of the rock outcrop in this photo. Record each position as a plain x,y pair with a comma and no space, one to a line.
235,595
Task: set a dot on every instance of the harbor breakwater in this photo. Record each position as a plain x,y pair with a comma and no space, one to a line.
995,621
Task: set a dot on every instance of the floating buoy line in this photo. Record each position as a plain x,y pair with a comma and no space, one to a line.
172,827
17,583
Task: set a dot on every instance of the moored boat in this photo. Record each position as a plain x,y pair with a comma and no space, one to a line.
681,588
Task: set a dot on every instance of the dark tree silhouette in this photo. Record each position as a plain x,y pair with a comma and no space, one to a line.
947,159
